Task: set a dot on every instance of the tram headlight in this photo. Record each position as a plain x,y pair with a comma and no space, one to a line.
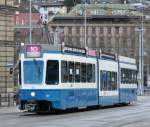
32,94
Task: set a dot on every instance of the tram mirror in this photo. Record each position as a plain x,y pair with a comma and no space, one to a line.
11,71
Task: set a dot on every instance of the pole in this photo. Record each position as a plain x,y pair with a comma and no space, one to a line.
141,57
85,27
140,64
30,23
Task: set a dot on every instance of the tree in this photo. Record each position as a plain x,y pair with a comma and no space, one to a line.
69,4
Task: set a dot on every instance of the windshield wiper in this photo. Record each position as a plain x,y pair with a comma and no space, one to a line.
39,69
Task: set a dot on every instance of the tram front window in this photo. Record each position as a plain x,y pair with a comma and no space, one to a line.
33,72
52,72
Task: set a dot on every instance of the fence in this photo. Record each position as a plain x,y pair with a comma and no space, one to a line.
146,91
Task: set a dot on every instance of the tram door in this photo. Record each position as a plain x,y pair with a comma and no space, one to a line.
108,94
108,88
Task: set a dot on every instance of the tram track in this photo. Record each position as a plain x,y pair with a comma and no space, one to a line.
129,123
120,116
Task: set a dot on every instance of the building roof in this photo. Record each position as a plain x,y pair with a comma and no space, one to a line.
24,8
106,10
102,11
53,3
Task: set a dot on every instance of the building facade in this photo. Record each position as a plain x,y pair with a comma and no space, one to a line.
7,51
110,32
22,22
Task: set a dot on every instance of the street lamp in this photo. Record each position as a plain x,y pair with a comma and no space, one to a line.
85,26
141,56
30,22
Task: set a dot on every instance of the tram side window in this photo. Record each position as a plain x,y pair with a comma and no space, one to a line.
124,76
113,79
52,72
135,76
64,72
20,73
104,80
128,79
108,81
128,76
93,73
83,72
77,72
71,71
89,72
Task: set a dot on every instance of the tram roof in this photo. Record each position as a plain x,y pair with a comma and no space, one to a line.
58,48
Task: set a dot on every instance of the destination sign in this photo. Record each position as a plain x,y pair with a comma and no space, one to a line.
33,51
74,50
108,56
91,52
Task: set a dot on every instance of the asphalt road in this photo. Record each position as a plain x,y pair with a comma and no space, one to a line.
135,115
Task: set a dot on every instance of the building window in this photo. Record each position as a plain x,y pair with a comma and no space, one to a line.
124,30
109,30
117,30
94,31
101,30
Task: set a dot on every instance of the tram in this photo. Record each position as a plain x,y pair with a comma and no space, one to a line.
63,77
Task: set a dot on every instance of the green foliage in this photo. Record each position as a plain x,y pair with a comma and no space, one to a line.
69,3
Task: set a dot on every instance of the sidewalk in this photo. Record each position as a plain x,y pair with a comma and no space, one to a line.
143,98
12,109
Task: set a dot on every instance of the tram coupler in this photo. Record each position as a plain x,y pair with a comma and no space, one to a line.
31,107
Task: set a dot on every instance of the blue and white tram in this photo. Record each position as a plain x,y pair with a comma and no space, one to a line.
69,78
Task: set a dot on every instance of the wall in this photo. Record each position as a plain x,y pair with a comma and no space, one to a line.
7,50
7,2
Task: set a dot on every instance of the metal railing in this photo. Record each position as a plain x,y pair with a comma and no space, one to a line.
146,91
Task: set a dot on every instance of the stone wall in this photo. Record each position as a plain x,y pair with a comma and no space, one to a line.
7,51
7,2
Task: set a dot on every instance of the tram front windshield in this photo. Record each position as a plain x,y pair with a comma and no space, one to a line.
33,72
